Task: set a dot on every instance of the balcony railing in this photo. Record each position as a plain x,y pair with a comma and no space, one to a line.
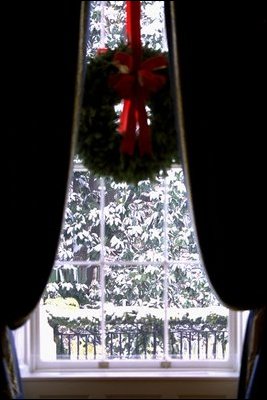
142,342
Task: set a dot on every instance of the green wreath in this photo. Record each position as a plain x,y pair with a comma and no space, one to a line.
98,144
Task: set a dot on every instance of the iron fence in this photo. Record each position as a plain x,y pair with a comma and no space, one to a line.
145,342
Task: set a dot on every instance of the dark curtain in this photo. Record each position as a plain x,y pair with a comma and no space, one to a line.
44,59
218,65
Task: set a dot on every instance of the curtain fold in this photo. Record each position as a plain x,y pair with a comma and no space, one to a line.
44,94
252,383
44,65
218,63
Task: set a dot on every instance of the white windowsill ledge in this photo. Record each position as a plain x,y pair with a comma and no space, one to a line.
134,374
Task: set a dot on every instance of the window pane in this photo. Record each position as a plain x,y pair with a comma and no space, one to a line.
198,333
80,238
134,313
134,221
71,314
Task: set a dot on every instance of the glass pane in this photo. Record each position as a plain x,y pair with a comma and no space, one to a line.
71,314
199,334
180,231
80,238
134,312
134,221
198,323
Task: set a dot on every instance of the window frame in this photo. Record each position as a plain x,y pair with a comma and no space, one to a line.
28,337
165,261
32,341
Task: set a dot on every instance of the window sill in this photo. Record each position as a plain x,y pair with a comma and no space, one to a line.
134,374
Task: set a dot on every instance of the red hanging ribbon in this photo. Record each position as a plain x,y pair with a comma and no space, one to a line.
134,82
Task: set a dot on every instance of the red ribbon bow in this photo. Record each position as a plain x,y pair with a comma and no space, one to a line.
134,85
